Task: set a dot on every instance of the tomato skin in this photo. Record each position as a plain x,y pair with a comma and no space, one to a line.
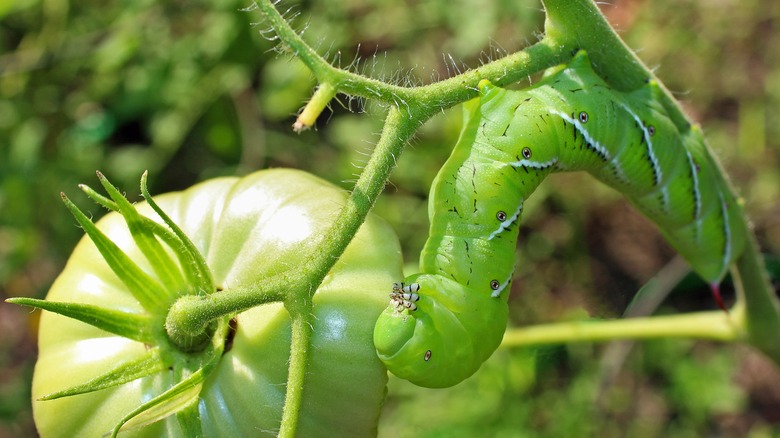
247,229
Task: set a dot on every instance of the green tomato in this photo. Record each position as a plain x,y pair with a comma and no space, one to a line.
247,229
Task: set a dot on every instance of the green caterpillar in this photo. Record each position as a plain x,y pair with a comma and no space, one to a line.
443,323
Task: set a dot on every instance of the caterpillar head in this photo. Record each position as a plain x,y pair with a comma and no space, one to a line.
446,339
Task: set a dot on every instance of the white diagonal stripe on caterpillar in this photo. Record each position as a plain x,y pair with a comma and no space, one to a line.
534,164
600,149
503,226
657,171
496,293
695,178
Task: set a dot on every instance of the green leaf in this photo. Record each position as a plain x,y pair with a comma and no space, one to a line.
184,252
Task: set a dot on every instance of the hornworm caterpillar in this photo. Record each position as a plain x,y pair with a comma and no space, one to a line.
511,140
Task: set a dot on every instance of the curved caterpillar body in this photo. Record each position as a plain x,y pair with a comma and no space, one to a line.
569,121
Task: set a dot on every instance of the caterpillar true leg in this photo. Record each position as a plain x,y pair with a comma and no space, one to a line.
404,296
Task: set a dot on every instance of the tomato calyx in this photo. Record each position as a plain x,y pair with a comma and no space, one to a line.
174,269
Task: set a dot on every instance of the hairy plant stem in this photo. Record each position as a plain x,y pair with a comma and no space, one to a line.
301,324
397,131
192,314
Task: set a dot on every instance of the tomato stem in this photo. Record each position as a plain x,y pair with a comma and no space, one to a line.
190,316
301,324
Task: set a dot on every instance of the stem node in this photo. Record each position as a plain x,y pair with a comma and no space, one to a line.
188,333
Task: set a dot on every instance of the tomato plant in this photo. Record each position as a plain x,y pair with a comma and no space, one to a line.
122,370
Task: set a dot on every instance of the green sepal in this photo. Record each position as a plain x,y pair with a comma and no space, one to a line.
179,396
136,326
163,265
188,260
189,419
107,203
151,362
147,290
160,230
199,272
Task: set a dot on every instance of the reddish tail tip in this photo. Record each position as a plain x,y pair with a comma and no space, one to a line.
715,288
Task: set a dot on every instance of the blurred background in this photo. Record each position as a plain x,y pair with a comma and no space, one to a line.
191,90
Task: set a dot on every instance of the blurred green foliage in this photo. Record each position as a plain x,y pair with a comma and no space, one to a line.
192,90
564,392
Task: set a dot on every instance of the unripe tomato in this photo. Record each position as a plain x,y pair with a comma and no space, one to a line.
247,229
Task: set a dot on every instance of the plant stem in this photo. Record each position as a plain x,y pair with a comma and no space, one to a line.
578,24
322,70
325,92
396,132
761,307
715,325
427,99
301,326
505,71
191,315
